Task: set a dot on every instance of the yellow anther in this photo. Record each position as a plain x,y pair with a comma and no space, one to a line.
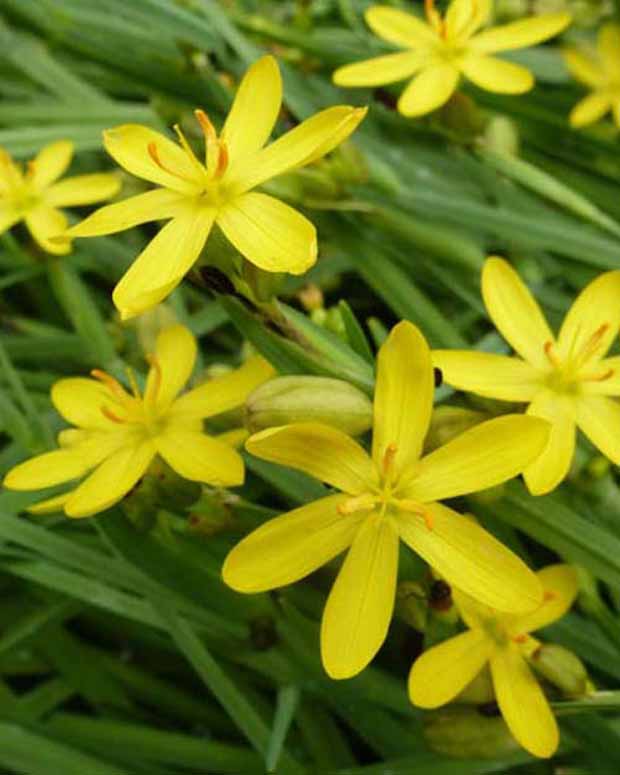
388,458
551,354
111,416
112,384
364,502
418,509
549,595
133,382
520,638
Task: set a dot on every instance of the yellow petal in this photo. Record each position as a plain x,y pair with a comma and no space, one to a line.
381,70
609,48
159,204
599,418
429,90
79,401
324,131
324,452
590,109
45,223
520,34
50,505
560,586
514,311
269,233
595,313
46,470
464,17
50,163
399,27
359,607
481,457
255,109
223,393
235,438
200,458
584,67
496,75
290,547
129,146
487,374
163,263
522,703
443,671
83,190
471,559
9,216
11,176
403,397
175,355
551,467
475,614
616,111
111,481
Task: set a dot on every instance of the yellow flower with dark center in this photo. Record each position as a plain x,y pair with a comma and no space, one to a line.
600,71
504,642
119,433
35,195
194,195
383,498
441,49
567,381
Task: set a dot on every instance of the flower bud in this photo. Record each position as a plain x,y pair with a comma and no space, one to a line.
562,668
285,400
448,422
501,136
468,733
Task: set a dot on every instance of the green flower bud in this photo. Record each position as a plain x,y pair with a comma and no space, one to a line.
285,400
479,691
501,136
561,668
468,733
210,515
448,422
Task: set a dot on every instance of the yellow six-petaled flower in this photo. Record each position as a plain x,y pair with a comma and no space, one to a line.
194,195
444,48
388,496
504,642
568,380
119,433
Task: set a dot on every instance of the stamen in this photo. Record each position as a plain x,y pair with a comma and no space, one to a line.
111,416
364,502
134,384
111,383
188,149
154,386
213,150
551,354
415,508
31,168
154,154
388,458
593,344
223,159
520,638
548,596
598,377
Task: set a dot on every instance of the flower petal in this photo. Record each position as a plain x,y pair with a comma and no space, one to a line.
324,452
464,17
515,312
9,216
584,67
129,146
429,90
496,75
608,381
560,587
599,418
50,163
471,559
487,374
609,48
522,703
399,27
403,397
443,671
255,109
83,190
269,233
163,263
359,607
79,401
289,547
200,458
111,481
594,318
481,457
380,70
50,505
45,223
159,204
590,109
321,132
223,393
520,34
550,468
173,363
46,470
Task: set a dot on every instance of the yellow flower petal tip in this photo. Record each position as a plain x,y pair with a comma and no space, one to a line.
118,431
196,193
437,52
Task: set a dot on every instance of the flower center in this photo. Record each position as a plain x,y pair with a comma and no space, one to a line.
580,364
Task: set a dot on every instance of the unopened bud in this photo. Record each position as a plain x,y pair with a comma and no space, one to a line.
448,422
479,691
210,515
285,400
411,604
468,733
501,136
562,668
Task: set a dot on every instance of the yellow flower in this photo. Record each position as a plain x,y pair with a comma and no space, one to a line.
502,640
34,196
440,50
194,194
567,381
118,434
600,70
385,497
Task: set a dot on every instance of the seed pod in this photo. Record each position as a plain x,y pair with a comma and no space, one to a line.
562,668
466,733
